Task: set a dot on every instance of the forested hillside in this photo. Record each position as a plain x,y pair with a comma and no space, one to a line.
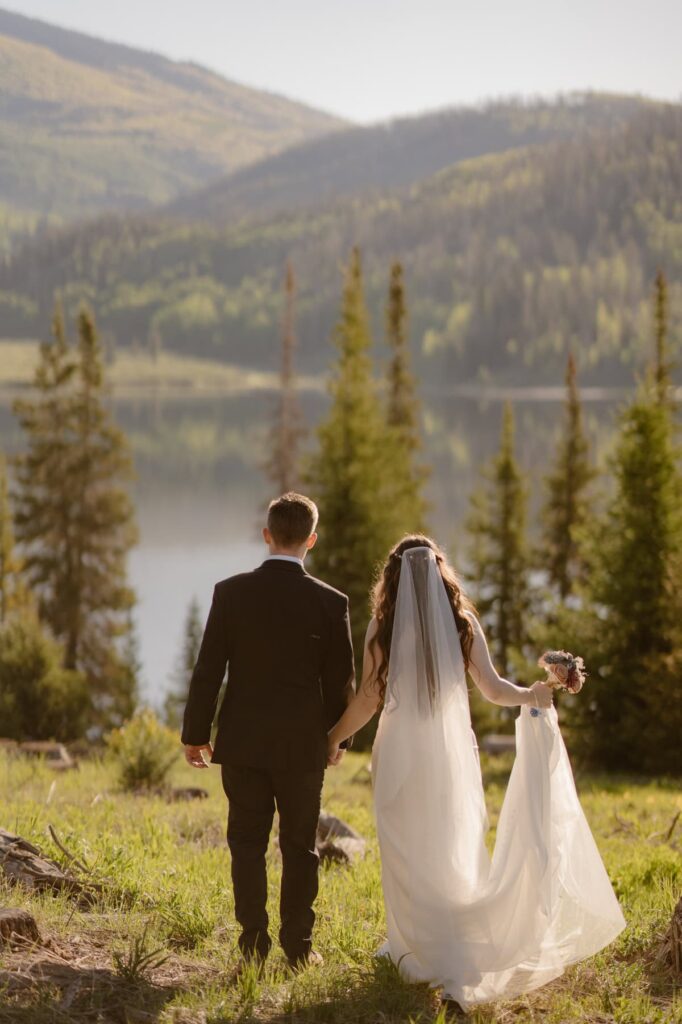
87,125
399,153
509,258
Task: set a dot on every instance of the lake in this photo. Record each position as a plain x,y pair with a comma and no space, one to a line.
200,491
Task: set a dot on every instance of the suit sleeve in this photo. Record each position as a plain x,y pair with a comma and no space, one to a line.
207,676
338,674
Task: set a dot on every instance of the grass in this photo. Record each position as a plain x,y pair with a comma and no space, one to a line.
139,373
160,942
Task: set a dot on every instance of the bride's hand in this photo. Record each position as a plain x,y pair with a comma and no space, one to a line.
334,753
542,695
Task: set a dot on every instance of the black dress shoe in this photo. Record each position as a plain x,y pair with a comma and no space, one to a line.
311,959
245,964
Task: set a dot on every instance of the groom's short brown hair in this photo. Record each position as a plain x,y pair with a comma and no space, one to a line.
291,519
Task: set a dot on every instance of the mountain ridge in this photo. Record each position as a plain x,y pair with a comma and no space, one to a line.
96,52
361,159
87,125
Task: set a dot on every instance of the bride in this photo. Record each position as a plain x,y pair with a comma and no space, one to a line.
480,928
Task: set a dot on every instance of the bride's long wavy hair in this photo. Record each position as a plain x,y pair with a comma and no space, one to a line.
385,595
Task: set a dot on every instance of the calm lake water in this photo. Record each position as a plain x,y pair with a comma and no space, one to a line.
200,491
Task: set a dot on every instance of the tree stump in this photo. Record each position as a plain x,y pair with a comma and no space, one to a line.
23,862
55,755
17,924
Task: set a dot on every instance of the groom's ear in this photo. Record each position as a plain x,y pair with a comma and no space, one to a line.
311,541
267,536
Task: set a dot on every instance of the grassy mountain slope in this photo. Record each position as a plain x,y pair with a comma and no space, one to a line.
399,153
510,259
88,125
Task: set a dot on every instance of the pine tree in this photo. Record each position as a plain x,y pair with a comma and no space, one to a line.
191,642
350,475
633,719
499,551
402,414
130,671
565,509
39,699
14,596
662,368
287,430
74,516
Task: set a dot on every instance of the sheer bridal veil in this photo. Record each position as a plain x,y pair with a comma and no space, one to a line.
483,929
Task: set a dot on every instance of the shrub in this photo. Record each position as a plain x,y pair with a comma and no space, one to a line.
143,750
39,700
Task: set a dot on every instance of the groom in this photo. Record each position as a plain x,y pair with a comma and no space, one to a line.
285,639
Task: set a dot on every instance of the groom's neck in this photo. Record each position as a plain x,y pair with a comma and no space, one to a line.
289,552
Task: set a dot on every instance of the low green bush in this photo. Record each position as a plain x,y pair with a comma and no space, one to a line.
143,751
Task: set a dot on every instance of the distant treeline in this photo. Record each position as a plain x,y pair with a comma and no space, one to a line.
510,259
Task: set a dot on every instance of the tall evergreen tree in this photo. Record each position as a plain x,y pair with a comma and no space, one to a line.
75,517
287,431
14,596
499,552
189,652
350,475
662,368
402,414
566,503
633,719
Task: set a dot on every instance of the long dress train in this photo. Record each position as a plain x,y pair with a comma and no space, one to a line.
483,929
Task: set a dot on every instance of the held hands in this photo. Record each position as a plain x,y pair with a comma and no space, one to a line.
194,755
541,695
334,753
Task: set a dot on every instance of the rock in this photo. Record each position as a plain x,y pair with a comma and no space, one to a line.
17,925
329,853
337,842
188,793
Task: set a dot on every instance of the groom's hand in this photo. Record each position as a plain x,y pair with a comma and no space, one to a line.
194,755
334,755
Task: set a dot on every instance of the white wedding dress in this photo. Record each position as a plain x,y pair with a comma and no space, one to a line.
482,929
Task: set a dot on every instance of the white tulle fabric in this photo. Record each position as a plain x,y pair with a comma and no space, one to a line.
482,929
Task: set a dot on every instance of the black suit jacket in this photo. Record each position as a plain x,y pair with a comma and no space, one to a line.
285,639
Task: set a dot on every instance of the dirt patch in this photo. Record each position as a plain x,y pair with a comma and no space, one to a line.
77,980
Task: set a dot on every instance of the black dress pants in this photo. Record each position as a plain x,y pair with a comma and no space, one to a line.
253,794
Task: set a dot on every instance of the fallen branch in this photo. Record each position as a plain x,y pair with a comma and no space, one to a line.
676,818
67,853
624,826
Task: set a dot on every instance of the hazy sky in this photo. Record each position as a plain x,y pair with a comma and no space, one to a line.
371,59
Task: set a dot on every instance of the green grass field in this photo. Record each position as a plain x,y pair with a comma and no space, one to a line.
165,870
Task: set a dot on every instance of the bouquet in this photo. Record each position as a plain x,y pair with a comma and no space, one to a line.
564,671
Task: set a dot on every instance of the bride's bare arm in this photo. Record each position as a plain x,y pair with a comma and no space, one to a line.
366,701
491,684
